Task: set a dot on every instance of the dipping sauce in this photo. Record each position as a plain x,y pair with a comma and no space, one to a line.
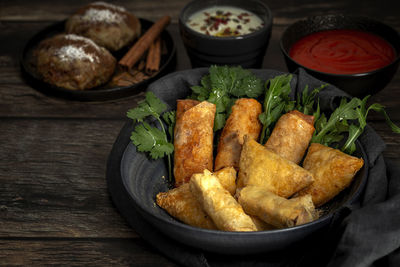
224,21
343,51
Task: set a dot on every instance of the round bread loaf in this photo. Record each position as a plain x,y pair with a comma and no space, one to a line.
107,25
73,62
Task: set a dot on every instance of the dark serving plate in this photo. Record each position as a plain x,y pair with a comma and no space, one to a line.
142,178
101,93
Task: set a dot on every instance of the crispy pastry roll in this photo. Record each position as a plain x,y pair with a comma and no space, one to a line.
291,135
261,167
227,178
276,210
242,121
219,204
260,224
184,104
332,169
181,204
193,139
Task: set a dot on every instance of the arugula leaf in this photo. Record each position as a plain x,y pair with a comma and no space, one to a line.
150,106
355,131
223,86
350,117
276,102
345,111
150,139
305,102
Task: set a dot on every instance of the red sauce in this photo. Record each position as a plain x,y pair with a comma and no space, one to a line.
343,51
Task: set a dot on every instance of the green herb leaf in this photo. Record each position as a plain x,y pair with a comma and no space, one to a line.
379,108
350,117
150,106
150,139
222,86
305,101
170,119
345,111
276,102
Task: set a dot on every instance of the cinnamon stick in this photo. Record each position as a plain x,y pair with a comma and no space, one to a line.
153,57
140,47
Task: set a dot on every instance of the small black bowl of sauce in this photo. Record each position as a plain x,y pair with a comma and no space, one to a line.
226,32
357,54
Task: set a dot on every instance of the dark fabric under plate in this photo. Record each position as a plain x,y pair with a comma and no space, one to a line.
364,234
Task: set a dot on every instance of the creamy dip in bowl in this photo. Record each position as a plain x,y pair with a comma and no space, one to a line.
225,21
223,32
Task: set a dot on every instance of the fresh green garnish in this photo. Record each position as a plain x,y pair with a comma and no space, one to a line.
305,101
223,86
170,118
350,117
356,130
276,102
148,138
329,131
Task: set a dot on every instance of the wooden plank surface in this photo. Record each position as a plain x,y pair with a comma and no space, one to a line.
80,252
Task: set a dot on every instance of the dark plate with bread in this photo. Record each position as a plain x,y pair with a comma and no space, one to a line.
106,91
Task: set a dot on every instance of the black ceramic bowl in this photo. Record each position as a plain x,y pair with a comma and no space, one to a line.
245,50
359,84
144,178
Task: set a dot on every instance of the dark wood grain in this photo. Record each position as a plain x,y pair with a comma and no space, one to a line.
80,252
53,179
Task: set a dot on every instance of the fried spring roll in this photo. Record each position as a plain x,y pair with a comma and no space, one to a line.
184,104
193,139
181,204
332,169
242,121
227,178
219,204
261,167
291,135
276,210
260,224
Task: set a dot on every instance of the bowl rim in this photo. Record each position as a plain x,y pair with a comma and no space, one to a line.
266,28
351,75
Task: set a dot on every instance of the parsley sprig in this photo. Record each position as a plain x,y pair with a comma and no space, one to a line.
148,138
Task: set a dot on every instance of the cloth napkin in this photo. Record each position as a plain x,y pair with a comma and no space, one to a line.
366,233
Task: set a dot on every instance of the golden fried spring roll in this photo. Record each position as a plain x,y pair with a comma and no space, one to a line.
184,104
276,210
261,167
227,178
193,139
332,169
219,204
181,204
291,135
242,121
260,224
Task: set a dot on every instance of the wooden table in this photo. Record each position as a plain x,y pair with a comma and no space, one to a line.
54,203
